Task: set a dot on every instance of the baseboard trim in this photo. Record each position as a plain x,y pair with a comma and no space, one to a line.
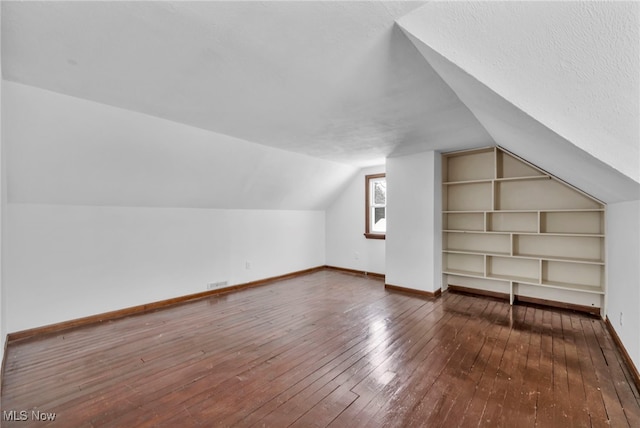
635,374
356,272
140,309
525,299
561,305
423,293
478,292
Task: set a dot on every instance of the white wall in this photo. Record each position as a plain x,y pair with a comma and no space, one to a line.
65,262
346,245
109,208
623,273
414,224
66,150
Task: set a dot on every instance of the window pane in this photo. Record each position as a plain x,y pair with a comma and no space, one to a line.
379,220
376,201
380,192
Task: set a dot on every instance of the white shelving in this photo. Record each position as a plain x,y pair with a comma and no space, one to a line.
511,228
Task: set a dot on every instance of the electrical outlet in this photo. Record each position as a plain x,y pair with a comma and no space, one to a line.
214,285
356,255
620,318
247,265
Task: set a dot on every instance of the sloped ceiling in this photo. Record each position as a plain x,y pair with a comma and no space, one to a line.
66,150
556,83
334,80
337,84
520,133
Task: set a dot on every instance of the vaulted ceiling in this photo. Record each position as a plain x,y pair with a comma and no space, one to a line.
336,80
344,82
557,83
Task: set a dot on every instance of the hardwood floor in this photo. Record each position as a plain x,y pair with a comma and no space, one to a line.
326,349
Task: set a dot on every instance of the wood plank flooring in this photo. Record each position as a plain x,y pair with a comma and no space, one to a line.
326,349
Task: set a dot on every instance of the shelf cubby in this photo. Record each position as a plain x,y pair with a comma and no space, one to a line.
572,222
512,222
570,248
540,195
576,275
464,264
470,165
464,221
482,243
474,196
513,269
508,166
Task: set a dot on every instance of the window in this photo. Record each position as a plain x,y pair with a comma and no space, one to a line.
376,206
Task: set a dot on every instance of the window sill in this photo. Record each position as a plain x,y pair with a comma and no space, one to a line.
374,235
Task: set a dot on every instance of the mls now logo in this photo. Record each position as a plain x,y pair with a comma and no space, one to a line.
23,415
14,415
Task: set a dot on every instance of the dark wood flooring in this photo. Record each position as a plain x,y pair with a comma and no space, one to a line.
326,349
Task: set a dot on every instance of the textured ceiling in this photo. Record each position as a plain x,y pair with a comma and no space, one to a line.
340,81
522,134
334,80
574,66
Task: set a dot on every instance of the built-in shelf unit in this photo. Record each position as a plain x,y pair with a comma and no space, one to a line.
509,228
